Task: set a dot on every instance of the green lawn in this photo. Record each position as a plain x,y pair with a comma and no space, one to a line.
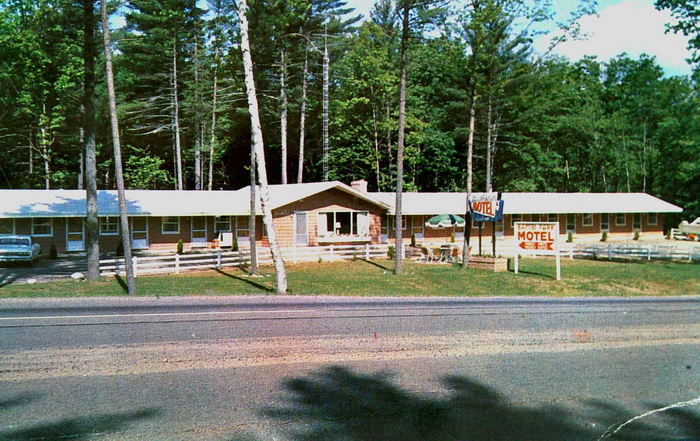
376,278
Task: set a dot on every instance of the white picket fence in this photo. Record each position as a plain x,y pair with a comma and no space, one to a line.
176,263
610,251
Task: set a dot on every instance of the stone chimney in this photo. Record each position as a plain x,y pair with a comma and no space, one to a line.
359,185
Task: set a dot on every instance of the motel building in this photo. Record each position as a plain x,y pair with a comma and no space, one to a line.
312,214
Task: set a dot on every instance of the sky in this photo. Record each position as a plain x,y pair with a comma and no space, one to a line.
620,26
631,26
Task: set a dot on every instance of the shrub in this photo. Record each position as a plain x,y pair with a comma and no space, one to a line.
570,236
391,252
180,246
669,234
234,244
53,252
452,237
119,252
636,235
604,236
413,239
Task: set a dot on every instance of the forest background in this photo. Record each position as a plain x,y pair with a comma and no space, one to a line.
542,123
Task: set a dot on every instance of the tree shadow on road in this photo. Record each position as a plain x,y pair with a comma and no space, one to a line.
339,404
19,400
81,428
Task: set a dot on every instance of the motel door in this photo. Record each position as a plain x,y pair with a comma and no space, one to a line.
75,238
199,231
301,232
139,233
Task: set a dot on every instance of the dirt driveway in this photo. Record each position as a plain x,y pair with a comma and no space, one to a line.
43,270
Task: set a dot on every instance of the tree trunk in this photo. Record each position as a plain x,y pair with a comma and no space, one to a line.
283,113
119,176
302,118
489,146
470,150
199,126
92,238
212,141
398,266
326,75
251,218
176,120
259,148
81,155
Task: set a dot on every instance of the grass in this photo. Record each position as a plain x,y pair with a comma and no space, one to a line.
376,278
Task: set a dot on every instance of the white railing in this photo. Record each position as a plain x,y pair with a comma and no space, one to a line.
610,251
174,264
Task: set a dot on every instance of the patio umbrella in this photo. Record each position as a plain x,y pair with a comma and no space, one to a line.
445,221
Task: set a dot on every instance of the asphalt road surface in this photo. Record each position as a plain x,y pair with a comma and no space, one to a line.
312,368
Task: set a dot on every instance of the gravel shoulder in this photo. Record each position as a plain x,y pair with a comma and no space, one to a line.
17,365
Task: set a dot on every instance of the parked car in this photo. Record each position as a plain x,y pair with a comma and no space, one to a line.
18,249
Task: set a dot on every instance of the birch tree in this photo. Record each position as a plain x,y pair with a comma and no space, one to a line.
119,176
257,139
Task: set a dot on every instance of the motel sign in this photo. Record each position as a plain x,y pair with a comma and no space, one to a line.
486,207
537,238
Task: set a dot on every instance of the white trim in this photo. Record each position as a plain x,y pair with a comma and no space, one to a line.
49,234
601,223
163,222
139,245
583,220
656,219
306,227
201,242
217,221
624,218
639,228
570,230
75,245
102,220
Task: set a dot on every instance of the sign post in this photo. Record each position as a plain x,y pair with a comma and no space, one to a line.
486,207
537,238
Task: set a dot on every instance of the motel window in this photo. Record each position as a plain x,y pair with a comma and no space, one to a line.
391,222
571,222
620,219
170,225
109,226
605,222
242,229
222,224
7,226
636,221
515,218
343,223
42,226
587,220
652,219
552,217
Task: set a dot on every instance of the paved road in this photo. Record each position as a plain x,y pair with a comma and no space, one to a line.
265,368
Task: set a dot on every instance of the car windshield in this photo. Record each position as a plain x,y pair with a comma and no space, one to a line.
14,241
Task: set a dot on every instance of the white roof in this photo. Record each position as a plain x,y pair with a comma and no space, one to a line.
71,203
534,203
